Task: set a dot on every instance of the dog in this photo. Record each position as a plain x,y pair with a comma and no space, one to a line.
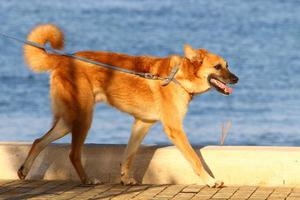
76,86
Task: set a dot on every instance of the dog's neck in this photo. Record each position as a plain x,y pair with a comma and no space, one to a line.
190,94
187,80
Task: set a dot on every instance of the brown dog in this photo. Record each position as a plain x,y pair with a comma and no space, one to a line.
77,86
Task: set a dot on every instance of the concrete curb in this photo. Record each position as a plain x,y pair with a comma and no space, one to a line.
235,165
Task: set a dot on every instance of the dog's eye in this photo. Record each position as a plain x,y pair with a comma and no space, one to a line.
218,67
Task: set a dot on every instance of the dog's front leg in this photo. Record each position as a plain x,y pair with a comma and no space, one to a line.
139,130
178,137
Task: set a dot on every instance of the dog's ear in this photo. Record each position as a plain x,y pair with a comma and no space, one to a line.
202,53
190,53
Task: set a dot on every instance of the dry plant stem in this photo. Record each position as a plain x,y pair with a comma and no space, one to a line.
225,130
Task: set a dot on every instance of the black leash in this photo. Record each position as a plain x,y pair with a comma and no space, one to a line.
48,49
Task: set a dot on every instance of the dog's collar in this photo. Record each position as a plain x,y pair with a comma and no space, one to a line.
191,94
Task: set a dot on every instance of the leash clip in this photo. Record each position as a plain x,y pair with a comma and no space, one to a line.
150,76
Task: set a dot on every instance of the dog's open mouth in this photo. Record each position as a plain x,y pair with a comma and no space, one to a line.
219,85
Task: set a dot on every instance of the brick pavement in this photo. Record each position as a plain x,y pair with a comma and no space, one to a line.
39,189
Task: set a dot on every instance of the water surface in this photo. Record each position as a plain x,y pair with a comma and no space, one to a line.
260,40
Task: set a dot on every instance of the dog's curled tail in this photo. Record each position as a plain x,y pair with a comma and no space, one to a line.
37,59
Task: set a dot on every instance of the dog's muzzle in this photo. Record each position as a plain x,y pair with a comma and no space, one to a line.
220,84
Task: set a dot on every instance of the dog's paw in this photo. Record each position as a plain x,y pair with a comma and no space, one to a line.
213,183
91,181
128,181
22,173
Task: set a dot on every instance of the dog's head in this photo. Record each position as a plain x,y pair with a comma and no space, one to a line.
210,70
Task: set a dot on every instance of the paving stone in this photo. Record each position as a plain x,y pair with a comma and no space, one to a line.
226,192
293,194
205,193
207,190
20,189
171,191
279,194
193,188
242,194
93,192
160,198
150,193
3,182
115,190
297,189
15,183
218,198
262,193
72,192
248,188
183,196
10,186
130,193
283,190
293,198
50,188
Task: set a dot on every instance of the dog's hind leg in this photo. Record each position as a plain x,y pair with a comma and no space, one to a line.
79,133
58,130
139,130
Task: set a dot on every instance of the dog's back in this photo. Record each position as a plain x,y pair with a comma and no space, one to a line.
76,85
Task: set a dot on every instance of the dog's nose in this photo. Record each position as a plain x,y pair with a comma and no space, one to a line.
234,78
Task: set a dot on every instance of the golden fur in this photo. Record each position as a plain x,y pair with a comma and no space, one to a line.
77,86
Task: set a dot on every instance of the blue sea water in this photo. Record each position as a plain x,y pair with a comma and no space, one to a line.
259,39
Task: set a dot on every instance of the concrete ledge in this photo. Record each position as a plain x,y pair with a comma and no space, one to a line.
235,165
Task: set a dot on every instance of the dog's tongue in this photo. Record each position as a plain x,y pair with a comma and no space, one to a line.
223,86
